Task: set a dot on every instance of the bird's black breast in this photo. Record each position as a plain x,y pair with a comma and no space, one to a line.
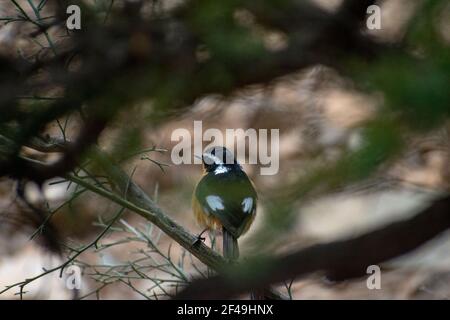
230,197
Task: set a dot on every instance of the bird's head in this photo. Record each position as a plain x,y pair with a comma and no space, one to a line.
219,160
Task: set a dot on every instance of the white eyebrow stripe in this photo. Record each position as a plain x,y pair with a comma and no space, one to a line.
220,170
247,205
215,202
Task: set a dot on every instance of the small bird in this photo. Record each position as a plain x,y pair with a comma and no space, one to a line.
224,199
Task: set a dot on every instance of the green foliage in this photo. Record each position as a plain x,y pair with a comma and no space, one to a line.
108,72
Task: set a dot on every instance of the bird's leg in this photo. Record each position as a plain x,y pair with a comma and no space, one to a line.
200,238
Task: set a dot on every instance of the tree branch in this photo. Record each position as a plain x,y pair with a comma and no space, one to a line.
131,196
339,260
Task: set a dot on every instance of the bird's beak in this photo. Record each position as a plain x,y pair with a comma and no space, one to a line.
198,157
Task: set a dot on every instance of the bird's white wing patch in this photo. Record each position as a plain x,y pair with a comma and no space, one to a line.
247,205
215,202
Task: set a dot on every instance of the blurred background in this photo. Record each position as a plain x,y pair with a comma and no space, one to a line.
363,120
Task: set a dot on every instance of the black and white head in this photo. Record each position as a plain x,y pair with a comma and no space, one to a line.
219,160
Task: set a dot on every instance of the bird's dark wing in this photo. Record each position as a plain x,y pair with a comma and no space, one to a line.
229,197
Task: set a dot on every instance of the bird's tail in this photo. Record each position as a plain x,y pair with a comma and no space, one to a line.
230,246
231,253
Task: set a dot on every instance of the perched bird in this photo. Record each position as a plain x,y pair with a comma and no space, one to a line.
225,198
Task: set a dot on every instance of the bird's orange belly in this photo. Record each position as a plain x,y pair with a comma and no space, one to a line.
205,220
